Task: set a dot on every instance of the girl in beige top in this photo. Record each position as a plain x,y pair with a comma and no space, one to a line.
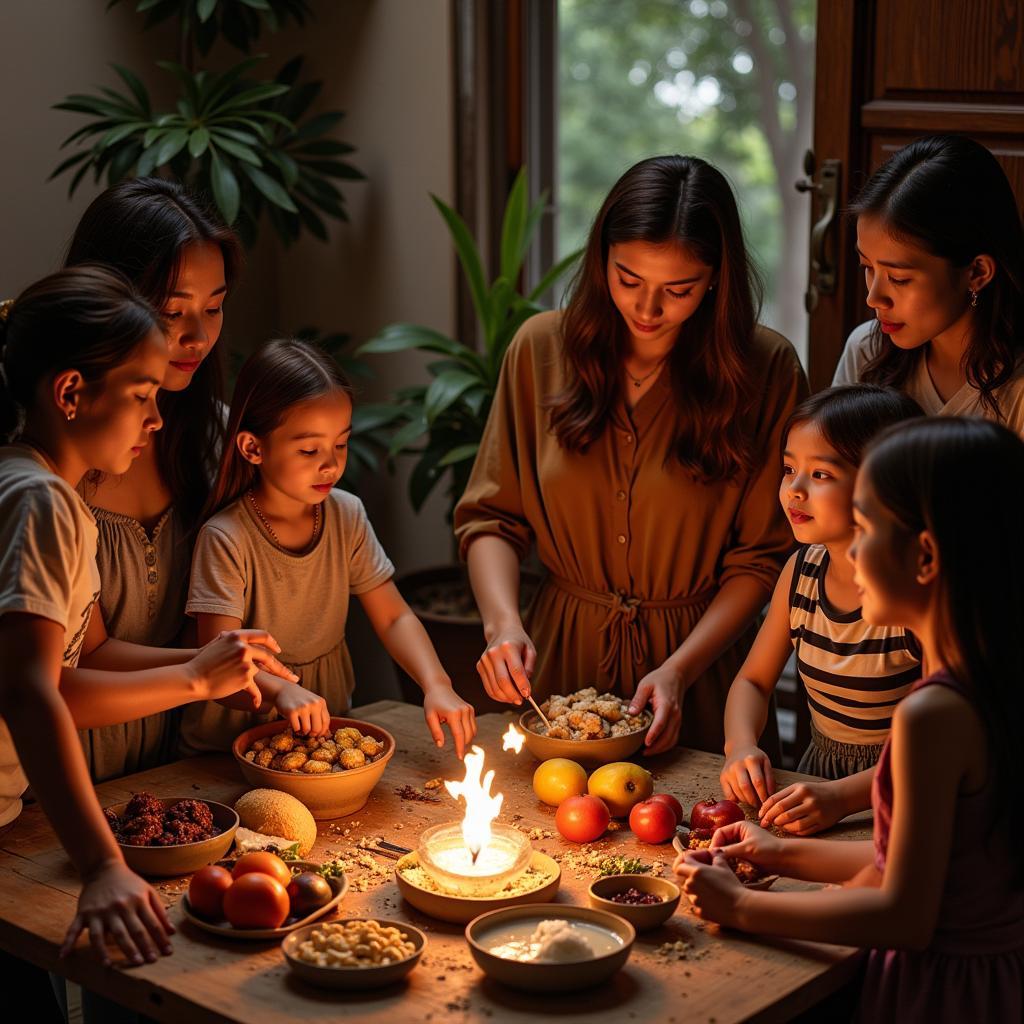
635,440
286,548
941,243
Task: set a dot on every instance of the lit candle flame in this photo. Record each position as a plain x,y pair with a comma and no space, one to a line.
513,739
481,807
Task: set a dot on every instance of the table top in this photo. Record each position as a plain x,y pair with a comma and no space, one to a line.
718,977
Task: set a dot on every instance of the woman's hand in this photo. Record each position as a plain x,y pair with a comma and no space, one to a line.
804,808
663,689
507,664
116,904
443,704
230,663
747,776
305,711
746,841
710,885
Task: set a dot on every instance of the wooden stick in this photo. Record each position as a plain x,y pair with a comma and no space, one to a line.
547,724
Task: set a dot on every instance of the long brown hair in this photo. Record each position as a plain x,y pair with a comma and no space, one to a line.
141,228
935,474
272,380
949,195
684,200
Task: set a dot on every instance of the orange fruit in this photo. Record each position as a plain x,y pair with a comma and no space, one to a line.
558,779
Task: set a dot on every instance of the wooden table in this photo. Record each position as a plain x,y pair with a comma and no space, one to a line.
723,976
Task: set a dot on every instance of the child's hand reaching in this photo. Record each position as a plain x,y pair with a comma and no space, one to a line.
306,712
804,808
443,704
747,776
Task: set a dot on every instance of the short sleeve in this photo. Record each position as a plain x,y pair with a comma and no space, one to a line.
218,582
492,503
40,545
368,565
761,537
856,353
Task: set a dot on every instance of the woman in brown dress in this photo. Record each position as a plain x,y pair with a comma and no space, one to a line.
635,439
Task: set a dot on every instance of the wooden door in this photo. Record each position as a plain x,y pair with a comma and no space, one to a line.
889,71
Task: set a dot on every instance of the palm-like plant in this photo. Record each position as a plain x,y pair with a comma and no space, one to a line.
448,414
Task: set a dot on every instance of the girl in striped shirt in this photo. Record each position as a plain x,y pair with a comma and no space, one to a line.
854,674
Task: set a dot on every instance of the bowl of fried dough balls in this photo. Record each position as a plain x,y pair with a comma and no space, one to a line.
333,774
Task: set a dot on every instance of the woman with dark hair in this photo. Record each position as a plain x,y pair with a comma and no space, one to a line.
183,260
940,239
634,438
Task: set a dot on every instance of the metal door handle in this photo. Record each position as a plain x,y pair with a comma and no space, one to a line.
821,278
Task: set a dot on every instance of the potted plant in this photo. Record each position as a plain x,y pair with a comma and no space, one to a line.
440,423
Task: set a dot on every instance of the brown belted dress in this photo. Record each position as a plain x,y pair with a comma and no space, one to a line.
635,548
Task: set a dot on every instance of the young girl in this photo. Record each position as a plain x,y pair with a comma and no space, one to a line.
854,673
939,896
286,547
632,439
940,239
83,356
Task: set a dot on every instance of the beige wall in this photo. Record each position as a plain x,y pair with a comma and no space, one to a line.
387,64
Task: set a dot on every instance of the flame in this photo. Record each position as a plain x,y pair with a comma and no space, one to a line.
481,807
513,739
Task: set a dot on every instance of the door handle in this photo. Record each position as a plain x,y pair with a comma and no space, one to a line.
821,276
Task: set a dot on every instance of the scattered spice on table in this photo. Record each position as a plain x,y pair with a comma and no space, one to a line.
408,792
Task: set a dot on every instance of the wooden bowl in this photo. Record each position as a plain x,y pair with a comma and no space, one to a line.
595,752
353,977
550,977
333,795
184,858
338,884
461,909
642,917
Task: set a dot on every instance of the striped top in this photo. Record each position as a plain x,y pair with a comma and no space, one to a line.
854,673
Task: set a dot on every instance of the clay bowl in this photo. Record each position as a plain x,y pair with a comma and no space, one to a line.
549,977
353,977
333,795
642,917
183,859
595,752
461,909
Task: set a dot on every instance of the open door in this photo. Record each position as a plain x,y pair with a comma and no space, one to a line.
889,71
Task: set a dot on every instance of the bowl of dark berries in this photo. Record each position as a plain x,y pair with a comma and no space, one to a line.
164,838
643,901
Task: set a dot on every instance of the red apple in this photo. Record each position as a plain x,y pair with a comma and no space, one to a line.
652,821
670,801
582,819
710,814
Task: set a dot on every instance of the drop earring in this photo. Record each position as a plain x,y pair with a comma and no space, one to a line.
71,415
974,299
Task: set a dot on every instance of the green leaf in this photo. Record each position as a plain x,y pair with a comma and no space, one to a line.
424,478
512,228
402,438
472,266
286,165
226,192
319,125
324,147
197,142
236,149
204,8
115,135
174,142
271,189
374,416
553,275
134,83
70,162
220,84
147,162
399,337
459,454
152,134
446,389
257,94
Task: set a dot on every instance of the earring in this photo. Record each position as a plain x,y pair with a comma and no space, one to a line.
974,298
71,415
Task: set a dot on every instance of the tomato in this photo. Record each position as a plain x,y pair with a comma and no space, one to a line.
266,864
672,802
581,819
256,901
206,892
652,821
709,814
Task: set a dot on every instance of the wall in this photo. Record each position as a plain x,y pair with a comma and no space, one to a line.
385,62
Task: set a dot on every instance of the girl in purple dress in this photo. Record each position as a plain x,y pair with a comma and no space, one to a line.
938,897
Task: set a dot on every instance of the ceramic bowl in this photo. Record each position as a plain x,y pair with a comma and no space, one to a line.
643,916
353,977
460,909
183,859
550,977
333,795
594,752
